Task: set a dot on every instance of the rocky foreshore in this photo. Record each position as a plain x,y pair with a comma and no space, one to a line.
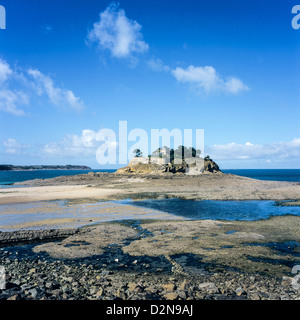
187,260
26,236
40,279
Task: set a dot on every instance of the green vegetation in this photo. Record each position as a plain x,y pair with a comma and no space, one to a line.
137,153
181,152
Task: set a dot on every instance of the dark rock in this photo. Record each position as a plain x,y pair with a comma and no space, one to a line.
33,292
23,236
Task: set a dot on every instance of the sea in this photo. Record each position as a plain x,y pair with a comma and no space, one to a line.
7,178
268,174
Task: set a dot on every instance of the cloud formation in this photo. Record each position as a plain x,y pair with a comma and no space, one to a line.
156,64
122,37
118,34
5,71
44,85
19,87
249,151
72,145
12,146
206,79
10,101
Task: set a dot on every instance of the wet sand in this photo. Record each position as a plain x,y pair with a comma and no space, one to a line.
56,192
70,214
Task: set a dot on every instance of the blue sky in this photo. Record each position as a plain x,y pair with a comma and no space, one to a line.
71,68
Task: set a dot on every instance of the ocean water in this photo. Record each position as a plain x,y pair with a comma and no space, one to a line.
268,174
9,177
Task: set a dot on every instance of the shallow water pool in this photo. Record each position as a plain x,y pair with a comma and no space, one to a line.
62,214
218,210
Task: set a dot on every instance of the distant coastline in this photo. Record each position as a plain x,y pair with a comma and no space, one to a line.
9,167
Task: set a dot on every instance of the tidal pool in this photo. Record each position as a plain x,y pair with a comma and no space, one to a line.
65,214
58,214
218,210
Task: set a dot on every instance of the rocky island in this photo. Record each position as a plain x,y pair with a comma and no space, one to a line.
197,166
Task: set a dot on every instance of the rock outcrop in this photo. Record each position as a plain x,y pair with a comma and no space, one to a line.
24,236
192,166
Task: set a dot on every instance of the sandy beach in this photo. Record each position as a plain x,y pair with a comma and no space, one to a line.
42,193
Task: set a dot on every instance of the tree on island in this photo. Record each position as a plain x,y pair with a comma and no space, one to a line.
137,153
208,158
181,152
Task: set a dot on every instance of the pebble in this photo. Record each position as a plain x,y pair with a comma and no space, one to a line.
33,292
169,287
59,280
239,291
171,296
210,287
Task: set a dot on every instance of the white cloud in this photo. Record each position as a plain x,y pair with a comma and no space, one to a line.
206,79
19,87
12,146
156,64
234,85
122,37
9,101
249,151
117,33
59,97
5,71
84,145
72,144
